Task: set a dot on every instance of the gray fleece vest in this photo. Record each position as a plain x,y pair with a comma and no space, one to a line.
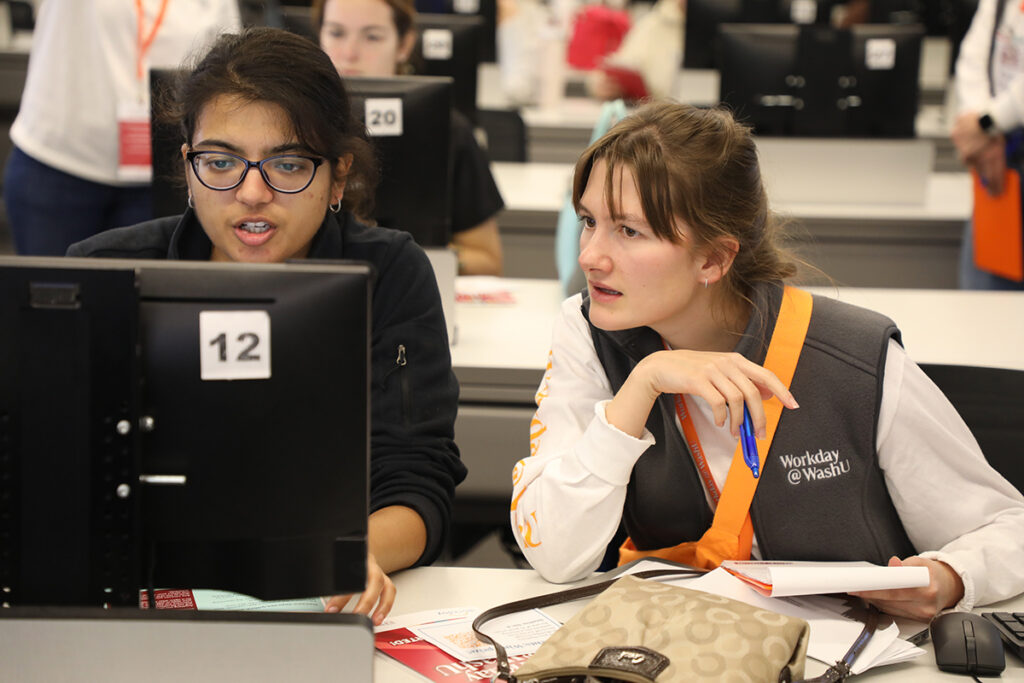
822,495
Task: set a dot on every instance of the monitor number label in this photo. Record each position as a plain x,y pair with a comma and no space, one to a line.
384,116
234,345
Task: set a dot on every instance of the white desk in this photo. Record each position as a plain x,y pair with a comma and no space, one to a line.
502,351
433,587
860,243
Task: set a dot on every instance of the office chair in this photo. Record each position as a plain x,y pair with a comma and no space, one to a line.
991,402
506,134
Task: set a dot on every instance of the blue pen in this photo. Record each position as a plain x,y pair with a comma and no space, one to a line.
749,443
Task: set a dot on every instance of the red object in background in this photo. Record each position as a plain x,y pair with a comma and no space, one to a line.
631,82
597,32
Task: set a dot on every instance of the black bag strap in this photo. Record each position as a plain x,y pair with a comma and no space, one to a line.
837,672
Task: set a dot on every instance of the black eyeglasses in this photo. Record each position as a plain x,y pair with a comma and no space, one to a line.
288,173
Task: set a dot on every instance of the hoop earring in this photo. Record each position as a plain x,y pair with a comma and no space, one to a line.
336,207
191,202
705,283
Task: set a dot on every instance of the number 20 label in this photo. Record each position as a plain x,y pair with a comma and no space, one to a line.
384,116
234,345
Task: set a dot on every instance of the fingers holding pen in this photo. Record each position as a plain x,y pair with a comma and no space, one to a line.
726,381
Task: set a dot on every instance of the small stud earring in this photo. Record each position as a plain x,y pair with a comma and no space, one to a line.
705,283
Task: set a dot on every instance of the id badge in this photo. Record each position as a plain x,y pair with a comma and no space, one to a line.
134,151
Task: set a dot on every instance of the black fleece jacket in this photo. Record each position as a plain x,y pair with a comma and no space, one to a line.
413,457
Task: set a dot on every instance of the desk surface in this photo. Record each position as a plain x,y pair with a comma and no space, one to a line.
939,326
434,587
543,187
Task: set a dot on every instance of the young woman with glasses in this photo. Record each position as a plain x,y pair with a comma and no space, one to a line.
277,168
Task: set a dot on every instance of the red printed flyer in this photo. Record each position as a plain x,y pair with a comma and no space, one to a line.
434,664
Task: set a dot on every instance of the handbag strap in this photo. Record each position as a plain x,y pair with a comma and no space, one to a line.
503,672
844,667
835,673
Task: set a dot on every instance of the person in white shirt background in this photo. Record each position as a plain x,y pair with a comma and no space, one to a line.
989,83
85,108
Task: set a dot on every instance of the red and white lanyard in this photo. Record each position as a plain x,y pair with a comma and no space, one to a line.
144,40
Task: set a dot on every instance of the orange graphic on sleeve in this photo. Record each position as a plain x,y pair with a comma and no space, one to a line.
542,393
527,535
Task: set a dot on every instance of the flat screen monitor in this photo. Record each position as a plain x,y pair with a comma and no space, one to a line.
703,17
486,10
182,425
449,45
409,121
898,11
887,66
819,81
757,68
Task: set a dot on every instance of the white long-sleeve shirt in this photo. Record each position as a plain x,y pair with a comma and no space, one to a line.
568,495
973,85
83,64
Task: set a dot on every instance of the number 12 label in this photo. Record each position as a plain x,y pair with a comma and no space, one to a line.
234,345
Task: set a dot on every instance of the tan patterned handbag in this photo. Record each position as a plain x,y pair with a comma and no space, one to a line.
645,631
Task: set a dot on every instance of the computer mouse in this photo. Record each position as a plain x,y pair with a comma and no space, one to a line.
967,644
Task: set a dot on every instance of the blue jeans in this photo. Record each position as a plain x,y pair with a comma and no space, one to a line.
973,278
48,210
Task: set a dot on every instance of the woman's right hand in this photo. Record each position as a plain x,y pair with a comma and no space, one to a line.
726,381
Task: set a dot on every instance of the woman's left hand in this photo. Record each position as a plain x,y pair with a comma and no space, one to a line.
944,590
380,591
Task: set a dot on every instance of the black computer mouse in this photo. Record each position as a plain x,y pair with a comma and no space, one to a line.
967,644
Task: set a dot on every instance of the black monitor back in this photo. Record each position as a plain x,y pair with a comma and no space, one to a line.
886,66
758,82
169,192
449,45
485,10
704,17
818,81
124,466
409,121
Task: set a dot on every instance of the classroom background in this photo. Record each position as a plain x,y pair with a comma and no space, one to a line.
871,202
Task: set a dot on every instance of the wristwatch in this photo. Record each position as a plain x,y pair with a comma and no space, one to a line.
987,124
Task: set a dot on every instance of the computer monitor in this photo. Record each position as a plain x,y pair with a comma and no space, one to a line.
897,11
182,424
409,121
449,45
818,81
703,18
757,75
486,10
887,67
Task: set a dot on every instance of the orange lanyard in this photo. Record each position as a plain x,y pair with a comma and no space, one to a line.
699,459
696,452
143,40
